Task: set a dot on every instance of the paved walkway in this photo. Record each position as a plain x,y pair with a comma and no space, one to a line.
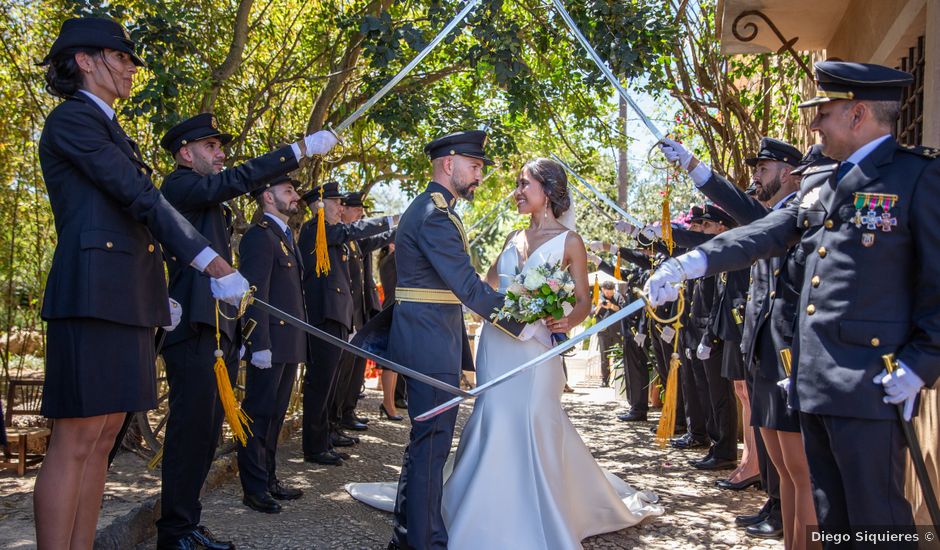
698,515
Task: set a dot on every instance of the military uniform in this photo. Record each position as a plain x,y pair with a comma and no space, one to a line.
195,417
329,306
867,234
428,334
274,266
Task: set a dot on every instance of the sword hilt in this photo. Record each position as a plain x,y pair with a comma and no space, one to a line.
890,362
786,358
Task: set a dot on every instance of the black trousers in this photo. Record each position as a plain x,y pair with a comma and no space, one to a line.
717,396
696,408
637,377
352,373
267,395
663,352
193,428
856,467
320,381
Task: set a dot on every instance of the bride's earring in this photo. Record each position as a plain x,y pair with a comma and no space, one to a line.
545,210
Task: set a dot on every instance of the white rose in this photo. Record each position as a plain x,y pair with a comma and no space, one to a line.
569,287
534,280
516,288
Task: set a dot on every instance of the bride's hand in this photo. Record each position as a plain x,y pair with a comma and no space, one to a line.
558,325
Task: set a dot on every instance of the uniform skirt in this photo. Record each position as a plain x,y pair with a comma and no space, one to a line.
96,367
769,407
732,362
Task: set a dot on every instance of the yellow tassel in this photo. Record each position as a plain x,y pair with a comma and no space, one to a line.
666,220
667,421
155,461
617,268
237,420
597,291
323,256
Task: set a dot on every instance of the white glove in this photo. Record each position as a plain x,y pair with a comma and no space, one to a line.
675,152
662,286
261,359
594,258
784,385
688,353
176,313
901,386
653,230
241,353
626,227
703,352
597,246
667,334
640,339
320,143
230,288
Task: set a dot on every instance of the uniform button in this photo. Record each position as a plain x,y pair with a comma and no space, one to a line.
289,264
282,159
150,248
773,293
338,290
829,224
875,342
822,251
810,309
143,170
805,223
815,280
777,272
281,323
109,244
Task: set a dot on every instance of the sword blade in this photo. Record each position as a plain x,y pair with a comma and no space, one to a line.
549,354
607,72
355,350
341,127
592,203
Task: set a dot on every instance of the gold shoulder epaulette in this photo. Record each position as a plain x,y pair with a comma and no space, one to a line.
820,168
263,223
928,152
441,204
438,200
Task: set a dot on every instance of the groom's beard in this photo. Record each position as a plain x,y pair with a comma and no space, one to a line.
465,189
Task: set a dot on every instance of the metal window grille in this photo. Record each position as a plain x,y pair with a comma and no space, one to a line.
911,121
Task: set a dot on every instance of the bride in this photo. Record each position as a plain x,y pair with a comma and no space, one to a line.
522,478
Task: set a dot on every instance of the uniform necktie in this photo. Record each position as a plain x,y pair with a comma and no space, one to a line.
290,237
843,170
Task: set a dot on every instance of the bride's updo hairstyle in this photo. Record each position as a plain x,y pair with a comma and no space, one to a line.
554,182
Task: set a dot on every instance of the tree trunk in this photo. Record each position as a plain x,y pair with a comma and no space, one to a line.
623,168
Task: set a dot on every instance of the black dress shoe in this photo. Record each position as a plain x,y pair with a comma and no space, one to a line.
353,425
694,461
362,420
281,492
340,440
687,441
326,457
261,502
740,485
753,519
767,529
632,416
206,539
183,543
344,456
716,464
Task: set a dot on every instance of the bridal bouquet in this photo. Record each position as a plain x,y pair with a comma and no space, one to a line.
538,292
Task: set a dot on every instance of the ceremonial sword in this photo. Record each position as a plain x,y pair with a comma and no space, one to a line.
607,72
549,354
355,350
341,127
592,203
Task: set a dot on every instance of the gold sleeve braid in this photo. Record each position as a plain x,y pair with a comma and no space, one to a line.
441,204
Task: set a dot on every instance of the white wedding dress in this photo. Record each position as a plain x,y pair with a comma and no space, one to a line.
522,478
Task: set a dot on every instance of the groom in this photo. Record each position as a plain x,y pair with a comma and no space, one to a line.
434,278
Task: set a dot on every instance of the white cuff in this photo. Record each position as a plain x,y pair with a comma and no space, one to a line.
296,149
204,258
693,264
700,174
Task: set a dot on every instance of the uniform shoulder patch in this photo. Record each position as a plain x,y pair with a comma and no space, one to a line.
920,150
827,167
439,201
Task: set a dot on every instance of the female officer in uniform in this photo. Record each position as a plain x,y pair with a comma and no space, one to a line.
106,290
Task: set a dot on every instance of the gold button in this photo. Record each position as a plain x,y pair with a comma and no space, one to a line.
822,251
143,170
875,342
815,280
829,224
777,272
810,309
150,248
109,244
282,159
282,323
805,223
288,264
184,142
773,293
338,290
